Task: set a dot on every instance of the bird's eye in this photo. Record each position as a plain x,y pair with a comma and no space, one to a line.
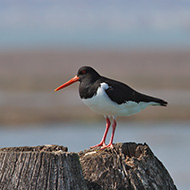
83,72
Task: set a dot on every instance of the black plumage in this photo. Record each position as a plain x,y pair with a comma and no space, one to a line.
118,92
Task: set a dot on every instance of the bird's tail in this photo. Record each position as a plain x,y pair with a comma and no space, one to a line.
155,101
159,102
162,102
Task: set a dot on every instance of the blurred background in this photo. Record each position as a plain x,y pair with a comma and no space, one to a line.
145,44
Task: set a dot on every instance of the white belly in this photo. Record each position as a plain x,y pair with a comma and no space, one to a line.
102,104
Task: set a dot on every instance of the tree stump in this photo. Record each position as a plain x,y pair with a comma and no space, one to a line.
41,168
128,166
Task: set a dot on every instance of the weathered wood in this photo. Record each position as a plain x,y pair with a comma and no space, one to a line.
127,166
41,168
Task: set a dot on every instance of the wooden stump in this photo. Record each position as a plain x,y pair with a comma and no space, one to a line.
41,168
128,166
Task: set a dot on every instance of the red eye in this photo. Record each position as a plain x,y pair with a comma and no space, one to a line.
83,71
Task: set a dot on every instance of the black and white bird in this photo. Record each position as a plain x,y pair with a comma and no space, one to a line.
110,98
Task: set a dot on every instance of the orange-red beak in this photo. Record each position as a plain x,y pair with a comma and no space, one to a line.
74,79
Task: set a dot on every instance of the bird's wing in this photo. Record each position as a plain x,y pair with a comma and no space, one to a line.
121,93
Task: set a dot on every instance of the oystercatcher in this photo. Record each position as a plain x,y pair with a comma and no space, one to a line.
110,98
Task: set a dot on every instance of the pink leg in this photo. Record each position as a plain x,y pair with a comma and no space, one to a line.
102,143
112,136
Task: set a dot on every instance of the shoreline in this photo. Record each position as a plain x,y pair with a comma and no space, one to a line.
28,79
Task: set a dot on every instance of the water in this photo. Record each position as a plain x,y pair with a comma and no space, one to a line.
170,142
94,24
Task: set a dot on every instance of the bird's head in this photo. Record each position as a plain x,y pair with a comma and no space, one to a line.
85,73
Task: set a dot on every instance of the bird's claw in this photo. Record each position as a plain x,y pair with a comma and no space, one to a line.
102,144
107,146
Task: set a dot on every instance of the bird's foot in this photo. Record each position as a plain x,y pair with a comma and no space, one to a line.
102,144
110,145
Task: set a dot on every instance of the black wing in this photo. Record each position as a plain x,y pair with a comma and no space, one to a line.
121,93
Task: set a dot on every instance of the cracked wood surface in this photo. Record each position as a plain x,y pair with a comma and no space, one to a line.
40,168
128,166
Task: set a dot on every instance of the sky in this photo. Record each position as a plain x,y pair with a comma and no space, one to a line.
61,23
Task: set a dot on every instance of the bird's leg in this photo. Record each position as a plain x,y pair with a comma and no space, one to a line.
112,135
102,143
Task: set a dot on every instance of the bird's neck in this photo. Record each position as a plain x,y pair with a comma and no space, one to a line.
88,88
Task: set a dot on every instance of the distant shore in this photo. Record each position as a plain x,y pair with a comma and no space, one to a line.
28,79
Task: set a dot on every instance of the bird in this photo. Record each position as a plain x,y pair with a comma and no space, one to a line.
110,98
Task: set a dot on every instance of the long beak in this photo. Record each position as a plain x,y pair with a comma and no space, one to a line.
74,79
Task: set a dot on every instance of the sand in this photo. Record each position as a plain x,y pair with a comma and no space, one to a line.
28,78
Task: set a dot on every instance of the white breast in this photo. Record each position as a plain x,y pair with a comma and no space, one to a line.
102,104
